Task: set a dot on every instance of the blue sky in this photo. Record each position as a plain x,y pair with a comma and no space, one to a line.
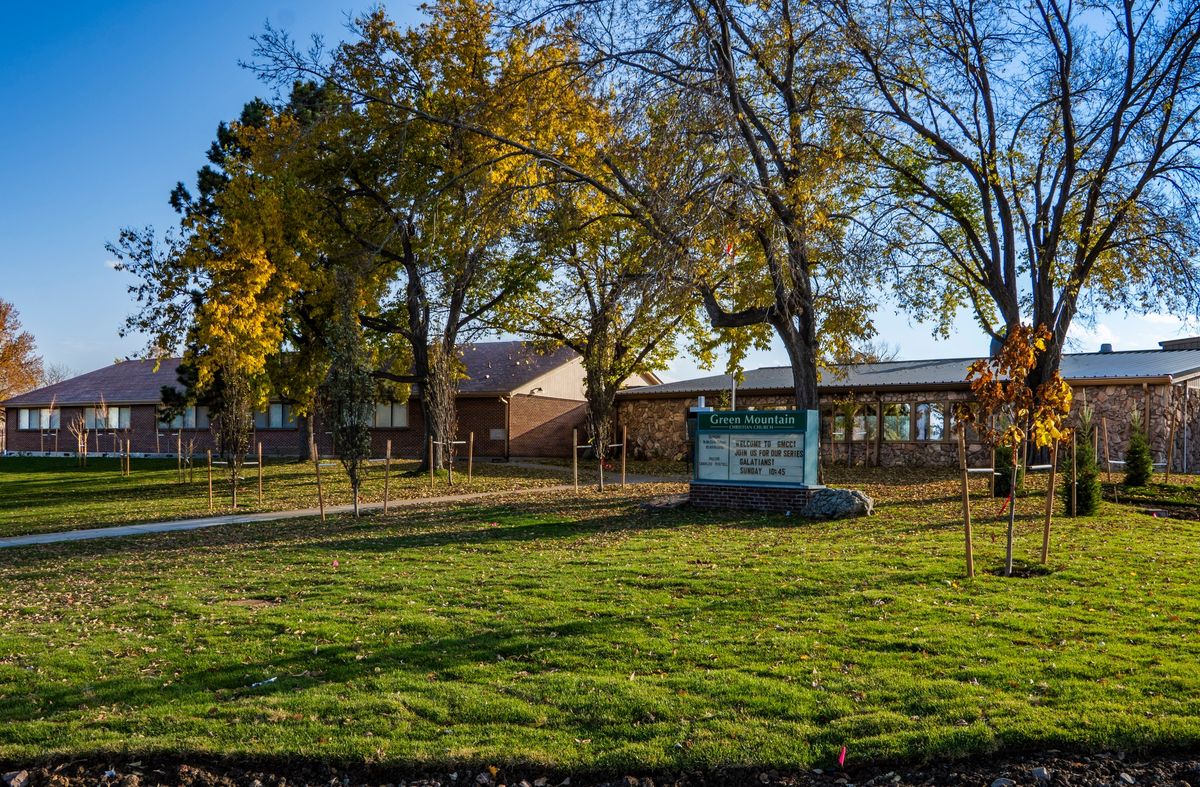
109,104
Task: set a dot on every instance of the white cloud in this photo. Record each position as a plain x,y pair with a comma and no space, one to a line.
112,264
1130,331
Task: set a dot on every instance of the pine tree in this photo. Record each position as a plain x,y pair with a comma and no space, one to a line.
350,388
1087,472
1139,467
1002,480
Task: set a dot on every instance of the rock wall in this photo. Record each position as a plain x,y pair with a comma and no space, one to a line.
1170,413
658,426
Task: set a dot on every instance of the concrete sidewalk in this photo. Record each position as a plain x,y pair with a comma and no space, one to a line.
274,516
262,516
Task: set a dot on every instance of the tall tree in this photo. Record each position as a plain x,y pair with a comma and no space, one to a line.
350,388
246,267
746,93
437,208
20,365
609,295
1042,156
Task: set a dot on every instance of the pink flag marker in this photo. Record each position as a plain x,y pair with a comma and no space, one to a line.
842,758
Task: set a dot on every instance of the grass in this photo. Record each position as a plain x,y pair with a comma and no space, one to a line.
40,494
589,633
1183,490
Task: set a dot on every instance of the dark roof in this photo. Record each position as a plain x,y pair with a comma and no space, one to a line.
127,382
492,368
951,372
505,367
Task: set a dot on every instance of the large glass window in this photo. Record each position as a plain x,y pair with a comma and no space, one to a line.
972,434
866,420
840,423
190,418
897,421
931,421
31,419
391,415
101,418
276,416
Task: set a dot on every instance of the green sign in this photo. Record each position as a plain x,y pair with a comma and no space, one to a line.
753,420
757,447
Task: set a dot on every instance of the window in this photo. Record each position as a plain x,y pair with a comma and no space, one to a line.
276,416
837,420
191,418
972,434
826,424
865,419
897,421
113,418
931,421
391,415
29,419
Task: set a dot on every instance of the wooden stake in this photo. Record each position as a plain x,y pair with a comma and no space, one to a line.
624,442
992,480
1170,449
208,454
450,463
1146,406
575,458
431,462
1107,461
878,432
179,453
320,491
1049,503
966,500
128,457
260,472
470,457
600,467
387,474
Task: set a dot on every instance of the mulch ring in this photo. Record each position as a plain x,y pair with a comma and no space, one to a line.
1046,769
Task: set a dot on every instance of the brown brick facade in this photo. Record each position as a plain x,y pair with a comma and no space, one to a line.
750,498
540,426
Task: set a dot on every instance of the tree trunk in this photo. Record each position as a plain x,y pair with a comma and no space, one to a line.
233,481
601,401
308,433
438,402
800,344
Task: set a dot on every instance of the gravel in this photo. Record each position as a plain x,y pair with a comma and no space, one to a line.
1046,769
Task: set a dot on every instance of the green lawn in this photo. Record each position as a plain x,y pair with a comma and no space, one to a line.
39,494
588,633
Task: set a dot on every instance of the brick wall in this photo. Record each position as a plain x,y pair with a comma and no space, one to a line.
749,498
541,426
481,416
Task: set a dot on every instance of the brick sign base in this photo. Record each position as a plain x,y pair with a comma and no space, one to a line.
752,498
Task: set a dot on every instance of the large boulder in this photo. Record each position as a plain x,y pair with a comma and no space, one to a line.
837,504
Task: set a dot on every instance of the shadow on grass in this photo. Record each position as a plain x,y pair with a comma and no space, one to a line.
418,664
418,527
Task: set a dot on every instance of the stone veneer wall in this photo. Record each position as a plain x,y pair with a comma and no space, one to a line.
657,426
1166,409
